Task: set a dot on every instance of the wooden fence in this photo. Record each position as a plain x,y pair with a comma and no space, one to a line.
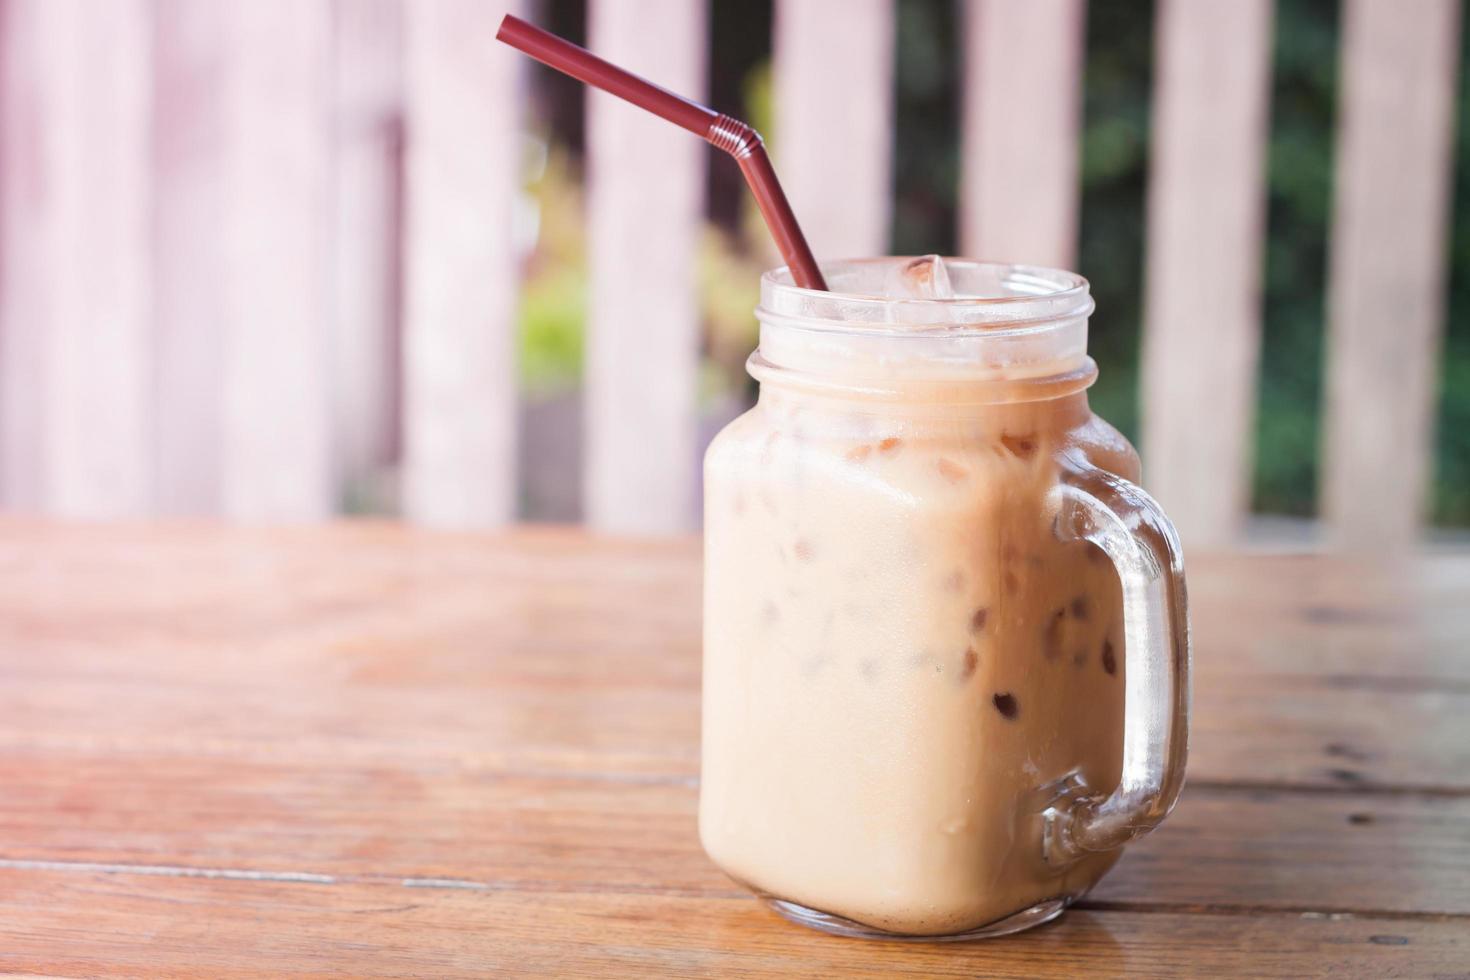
213,217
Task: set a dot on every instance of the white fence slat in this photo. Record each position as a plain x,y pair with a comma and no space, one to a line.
189,255
367,106
1021,115
459,331
276,463
1387,275
644,196
834,62
76,276
1206,221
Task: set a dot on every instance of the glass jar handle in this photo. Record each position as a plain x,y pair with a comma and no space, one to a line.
1117,516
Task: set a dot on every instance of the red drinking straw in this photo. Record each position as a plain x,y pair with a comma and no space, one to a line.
731,135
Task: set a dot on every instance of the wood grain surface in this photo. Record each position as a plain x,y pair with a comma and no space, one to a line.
362,749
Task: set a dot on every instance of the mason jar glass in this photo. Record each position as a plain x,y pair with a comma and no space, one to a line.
945,640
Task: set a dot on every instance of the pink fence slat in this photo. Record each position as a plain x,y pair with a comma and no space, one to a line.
189,255
1206,216
834,63
460,382
276,463
645,188
1022,99
75,305
1386,288
367,109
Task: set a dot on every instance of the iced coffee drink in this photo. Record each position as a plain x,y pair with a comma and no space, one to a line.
916,657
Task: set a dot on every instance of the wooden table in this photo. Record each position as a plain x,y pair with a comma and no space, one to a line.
367,749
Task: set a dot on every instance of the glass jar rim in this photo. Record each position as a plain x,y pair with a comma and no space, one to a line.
1022,298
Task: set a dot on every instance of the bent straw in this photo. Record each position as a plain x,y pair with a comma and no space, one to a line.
731,135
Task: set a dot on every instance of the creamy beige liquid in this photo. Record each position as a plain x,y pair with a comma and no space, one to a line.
899,654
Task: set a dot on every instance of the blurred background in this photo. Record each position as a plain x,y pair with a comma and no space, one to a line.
281,260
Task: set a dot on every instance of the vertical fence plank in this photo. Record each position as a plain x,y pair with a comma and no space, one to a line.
76,276
189,250
276,445
460,381
1206,213
1022,101
834,63
242,149
1387,275
367,110
276,408
645,188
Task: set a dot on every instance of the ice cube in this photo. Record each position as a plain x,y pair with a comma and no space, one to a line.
926,277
